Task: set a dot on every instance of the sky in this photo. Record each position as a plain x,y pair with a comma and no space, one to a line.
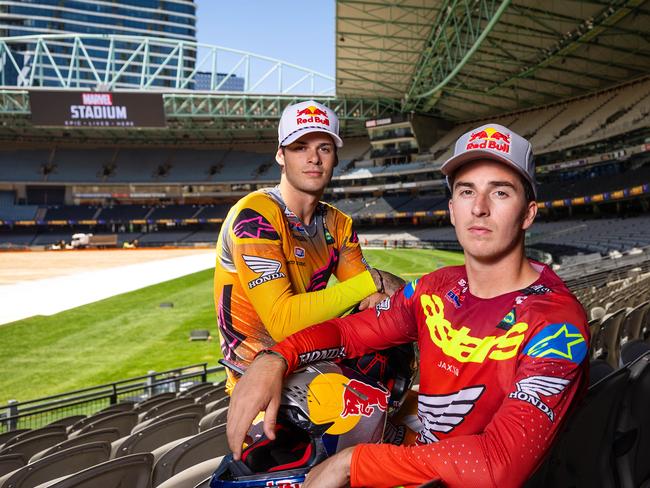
298,32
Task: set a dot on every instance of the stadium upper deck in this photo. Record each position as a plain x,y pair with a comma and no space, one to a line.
456,60
573,78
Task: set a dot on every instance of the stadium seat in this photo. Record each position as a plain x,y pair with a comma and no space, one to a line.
128,471
213,419
594,328
11,462
67,421
197,476
125,406
56,465
189,452
53,429
582,455
165,407
155,435
122,421
212,395
217,404
7,436
197,391
107,435
606,344
599,369
194,408
633,322
153,401
633,350
80,424
597,313
632,446
31,446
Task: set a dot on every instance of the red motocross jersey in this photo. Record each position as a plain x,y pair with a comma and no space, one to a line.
497,376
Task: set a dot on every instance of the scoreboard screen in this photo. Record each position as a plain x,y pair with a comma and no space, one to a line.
96,109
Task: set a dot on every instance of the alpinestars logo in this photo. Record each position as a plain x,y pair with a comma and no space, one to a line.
268,268
529,390
442,413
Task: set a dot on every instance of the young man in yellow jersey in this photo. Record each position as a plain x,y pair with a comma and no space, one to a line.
279,246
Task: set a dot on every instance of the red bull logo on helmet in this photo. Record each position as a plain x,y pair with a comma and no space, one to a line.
489,138
360,398
312,115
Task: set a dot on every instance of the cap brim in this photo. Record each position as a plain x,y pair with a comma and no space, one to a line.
308,130
450,166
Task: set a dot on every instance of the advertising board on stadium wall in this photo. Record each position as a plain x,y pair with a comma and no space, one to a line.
617,155
96,109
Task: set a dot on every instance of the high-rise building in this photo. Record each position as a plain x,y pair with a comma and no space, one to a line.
167,19
203,80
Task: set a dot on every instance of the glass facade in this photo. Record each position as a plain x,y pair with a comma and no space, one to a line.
204,81
163,19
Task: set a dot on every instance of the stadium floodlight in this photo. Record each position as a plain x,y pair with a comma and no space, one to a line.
117,62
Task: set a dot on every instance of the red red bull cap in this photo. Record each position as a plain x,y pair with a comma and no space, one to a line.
497,143
305,117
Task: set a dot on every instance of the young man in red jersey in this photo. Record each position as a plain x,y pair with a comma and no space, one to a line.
503,343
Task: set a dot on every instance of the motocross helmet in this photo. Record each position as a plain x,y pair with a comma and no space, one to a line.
395,368
325,408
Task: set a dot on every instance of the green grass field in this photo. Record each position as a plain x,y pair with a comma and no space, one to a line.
130,334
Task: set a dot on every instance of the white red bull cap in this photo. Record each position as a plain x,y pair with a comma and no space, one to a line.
305,117
497,143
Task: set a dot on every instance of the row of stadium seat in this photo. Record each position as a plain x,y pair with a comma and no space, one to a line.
146,165
177,430
135,165
579,239
569,123
606,441
118,213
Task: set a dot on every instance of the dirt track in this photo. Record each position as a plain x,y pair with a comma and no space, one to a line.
17,267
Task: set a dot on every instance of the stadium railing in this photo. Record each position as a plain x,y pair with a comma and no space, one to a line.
39,412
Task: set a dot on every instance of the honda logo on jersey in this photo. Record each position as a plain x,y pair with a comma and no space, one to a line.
529,390
442,413
269,269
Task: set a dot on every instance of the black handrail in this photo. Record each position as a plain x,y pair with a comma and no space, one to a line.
110,385
89,397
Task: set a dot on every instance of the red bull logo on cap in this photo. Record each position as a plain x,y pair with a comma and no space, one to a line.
312,115
489,138
360,398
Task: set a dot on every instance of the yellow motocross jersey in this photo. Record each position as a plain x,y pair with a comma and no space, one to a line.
272,272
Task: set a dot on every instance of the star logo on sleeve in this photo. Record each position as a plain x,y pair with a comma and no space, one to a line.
558,341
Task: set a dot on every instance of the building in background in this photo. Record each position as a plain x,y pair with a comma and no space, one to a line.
223,82
166,19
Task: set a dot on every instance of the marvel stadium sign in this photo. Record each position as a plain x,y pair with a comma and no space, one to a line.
94,109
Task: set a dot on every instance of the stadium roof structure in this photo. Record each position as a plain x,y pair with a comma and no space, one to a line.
466,59
194,114
457,60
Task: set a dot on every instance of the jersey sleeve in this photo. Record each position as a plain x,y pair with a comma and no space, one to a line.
390,323
351,261
550,376
261,266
